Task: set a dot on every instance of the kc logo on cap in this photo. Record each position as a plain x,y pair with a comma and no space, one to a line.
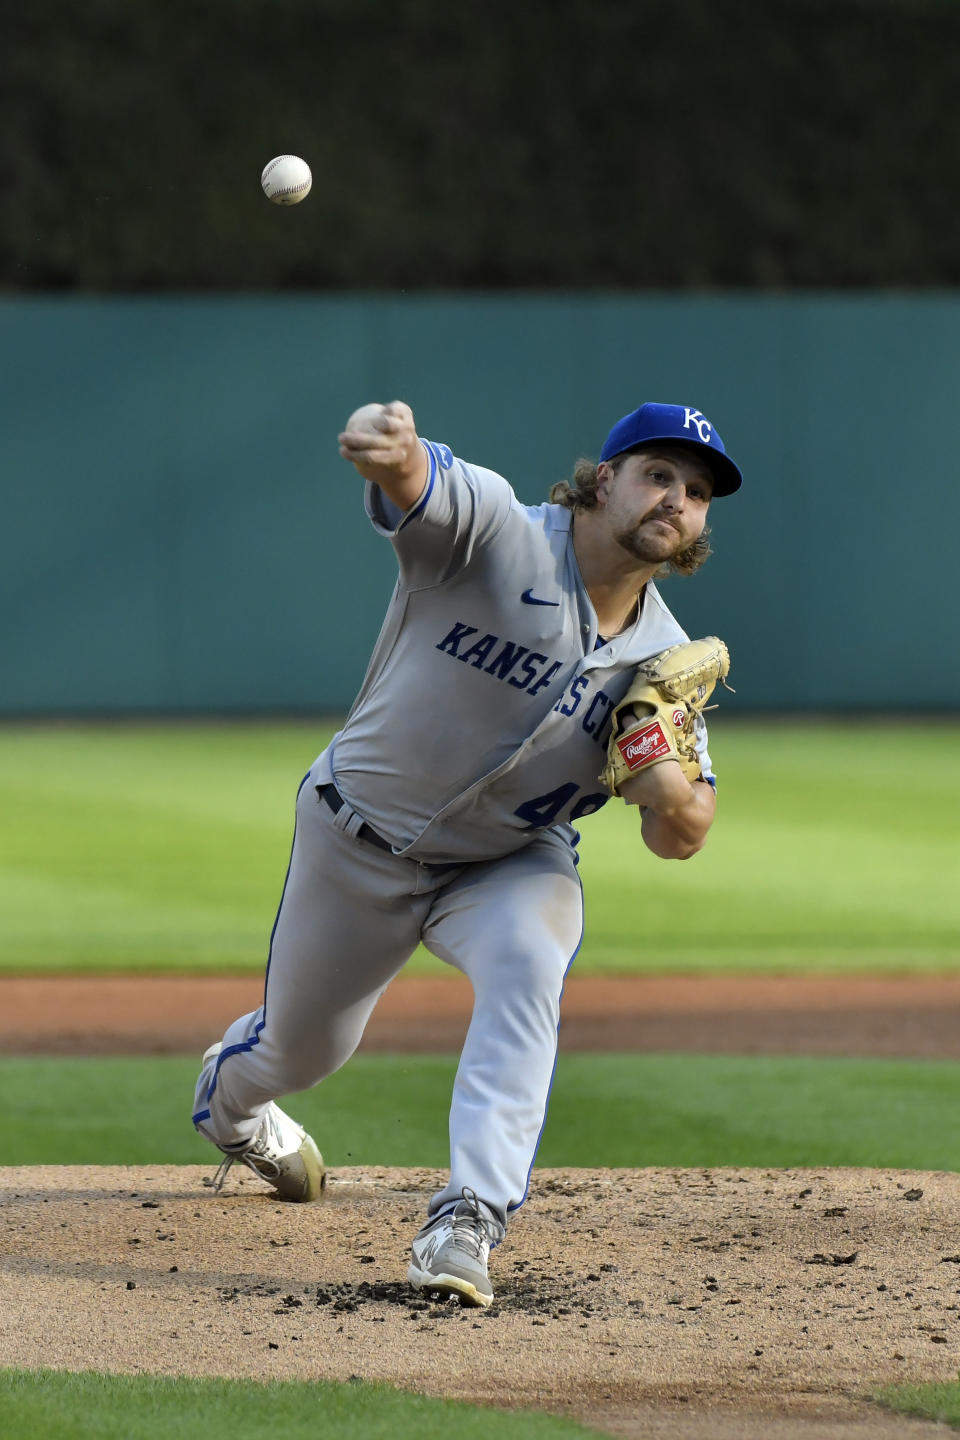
702,423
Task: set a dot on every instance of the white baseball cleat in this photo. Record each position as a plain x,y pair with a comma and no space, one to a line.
281,1152
450,1254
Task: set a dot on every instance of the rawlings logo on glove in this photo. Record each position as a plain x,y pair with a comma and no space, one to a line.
643,746
656,719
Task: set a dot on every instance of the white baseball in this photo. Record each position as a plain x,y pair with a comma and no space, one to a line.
365,419
286,180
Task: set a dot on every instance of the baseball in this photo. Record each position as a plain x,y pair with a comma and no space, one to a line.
365,419
286,180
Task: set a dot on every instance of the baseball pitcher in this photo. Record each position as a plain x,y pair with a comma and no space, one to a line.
527,670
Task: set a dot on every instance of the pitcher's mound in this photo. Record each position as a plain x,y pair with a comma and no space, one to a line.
661,1303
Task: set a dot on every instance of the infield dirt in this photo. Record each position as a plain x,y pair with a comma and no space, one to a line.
660,1303
898,1015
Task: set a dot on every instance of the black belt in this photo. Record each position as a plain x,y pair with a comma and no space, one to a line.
335,800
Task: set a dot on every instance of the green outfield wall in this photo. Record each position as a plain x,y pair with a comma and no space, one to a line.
180,535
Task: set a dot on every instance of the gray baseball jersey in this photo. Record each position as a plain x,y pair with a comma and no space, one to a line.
473,748
486,708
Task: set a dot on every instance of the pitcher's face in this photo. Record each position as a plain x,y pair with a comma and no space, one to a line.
655,503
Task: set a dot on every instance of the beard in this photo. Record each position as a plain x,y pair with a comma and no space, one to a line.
651,546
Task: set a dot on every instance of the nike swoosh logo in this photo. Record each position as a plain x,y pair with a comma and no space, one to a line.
529,598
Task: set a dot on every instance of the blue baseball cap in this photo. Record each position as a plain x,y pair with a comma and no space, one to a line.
681,425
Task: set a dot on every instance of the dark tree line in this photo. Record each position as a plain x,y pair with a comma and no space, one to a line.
685,144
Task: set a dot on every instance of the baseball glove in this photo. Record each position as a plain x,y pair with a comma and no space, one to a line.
655,720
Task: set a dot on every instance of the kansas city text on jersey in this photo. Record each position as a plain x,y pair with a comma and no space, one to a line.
529,671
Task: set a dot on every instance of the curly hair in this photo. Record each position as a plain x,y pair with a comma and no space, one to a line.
580,493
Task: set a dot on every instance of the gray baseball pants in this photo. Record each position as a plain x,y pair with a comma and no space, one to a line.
350,917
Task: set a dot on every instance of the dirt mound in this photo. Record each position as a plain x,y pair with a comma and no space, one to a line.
661,1303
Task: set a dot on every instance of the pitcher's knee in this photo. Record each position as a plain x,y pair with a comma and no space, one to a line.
521,971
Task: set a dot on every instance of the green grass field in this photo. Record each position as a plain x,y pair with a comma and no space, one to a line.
53,1405
164,847
617,1110
88,1405
925,1402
